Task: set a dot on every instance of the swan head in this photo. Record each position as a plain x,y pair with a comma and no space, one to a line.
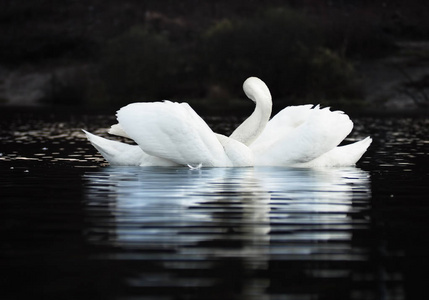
256,90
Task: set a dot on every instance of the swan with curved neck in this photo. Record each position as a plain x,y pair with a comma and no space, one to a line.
171,134
247,132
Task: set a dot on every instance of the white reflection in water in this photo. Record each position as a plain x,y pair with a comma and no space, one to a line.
156,204
191,218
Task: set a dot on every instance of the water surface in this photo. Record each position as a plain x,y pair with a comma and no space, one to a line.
74,227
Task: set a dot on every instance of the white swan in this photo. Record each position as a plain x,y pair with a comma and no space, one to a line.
171,134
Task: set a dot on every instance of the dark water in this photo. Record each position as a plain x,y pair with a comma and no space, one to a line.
72,227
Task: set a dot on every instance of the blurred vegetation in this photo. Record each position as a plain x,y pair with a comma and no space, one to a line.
139,65
358,35
284,48
275,47
281,46
187,50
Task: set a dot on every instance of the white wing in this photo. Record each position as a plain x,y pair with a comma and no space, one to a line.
172,131
319,132
280,125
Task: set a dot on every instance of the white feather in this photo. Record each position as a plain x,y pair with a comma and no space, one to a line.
317,131
172,131
117,153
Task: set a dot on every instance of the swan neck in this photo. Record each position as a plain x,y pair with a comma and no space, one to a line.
253,126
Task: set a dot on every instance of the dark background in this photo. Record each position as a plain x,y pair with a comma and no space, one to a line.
355,55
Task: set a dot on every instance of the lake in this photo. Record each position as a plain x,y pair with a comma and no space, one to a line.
73,227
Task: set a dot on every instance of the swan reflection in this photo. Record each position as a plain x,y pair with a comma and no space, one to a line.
198,219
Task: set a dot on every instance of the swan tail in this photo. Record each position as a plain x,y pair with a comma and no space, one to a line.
116,153
353,152
342,156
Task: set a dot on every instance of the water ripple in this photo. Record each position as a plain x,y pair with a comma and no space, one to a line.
71,222
191,219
